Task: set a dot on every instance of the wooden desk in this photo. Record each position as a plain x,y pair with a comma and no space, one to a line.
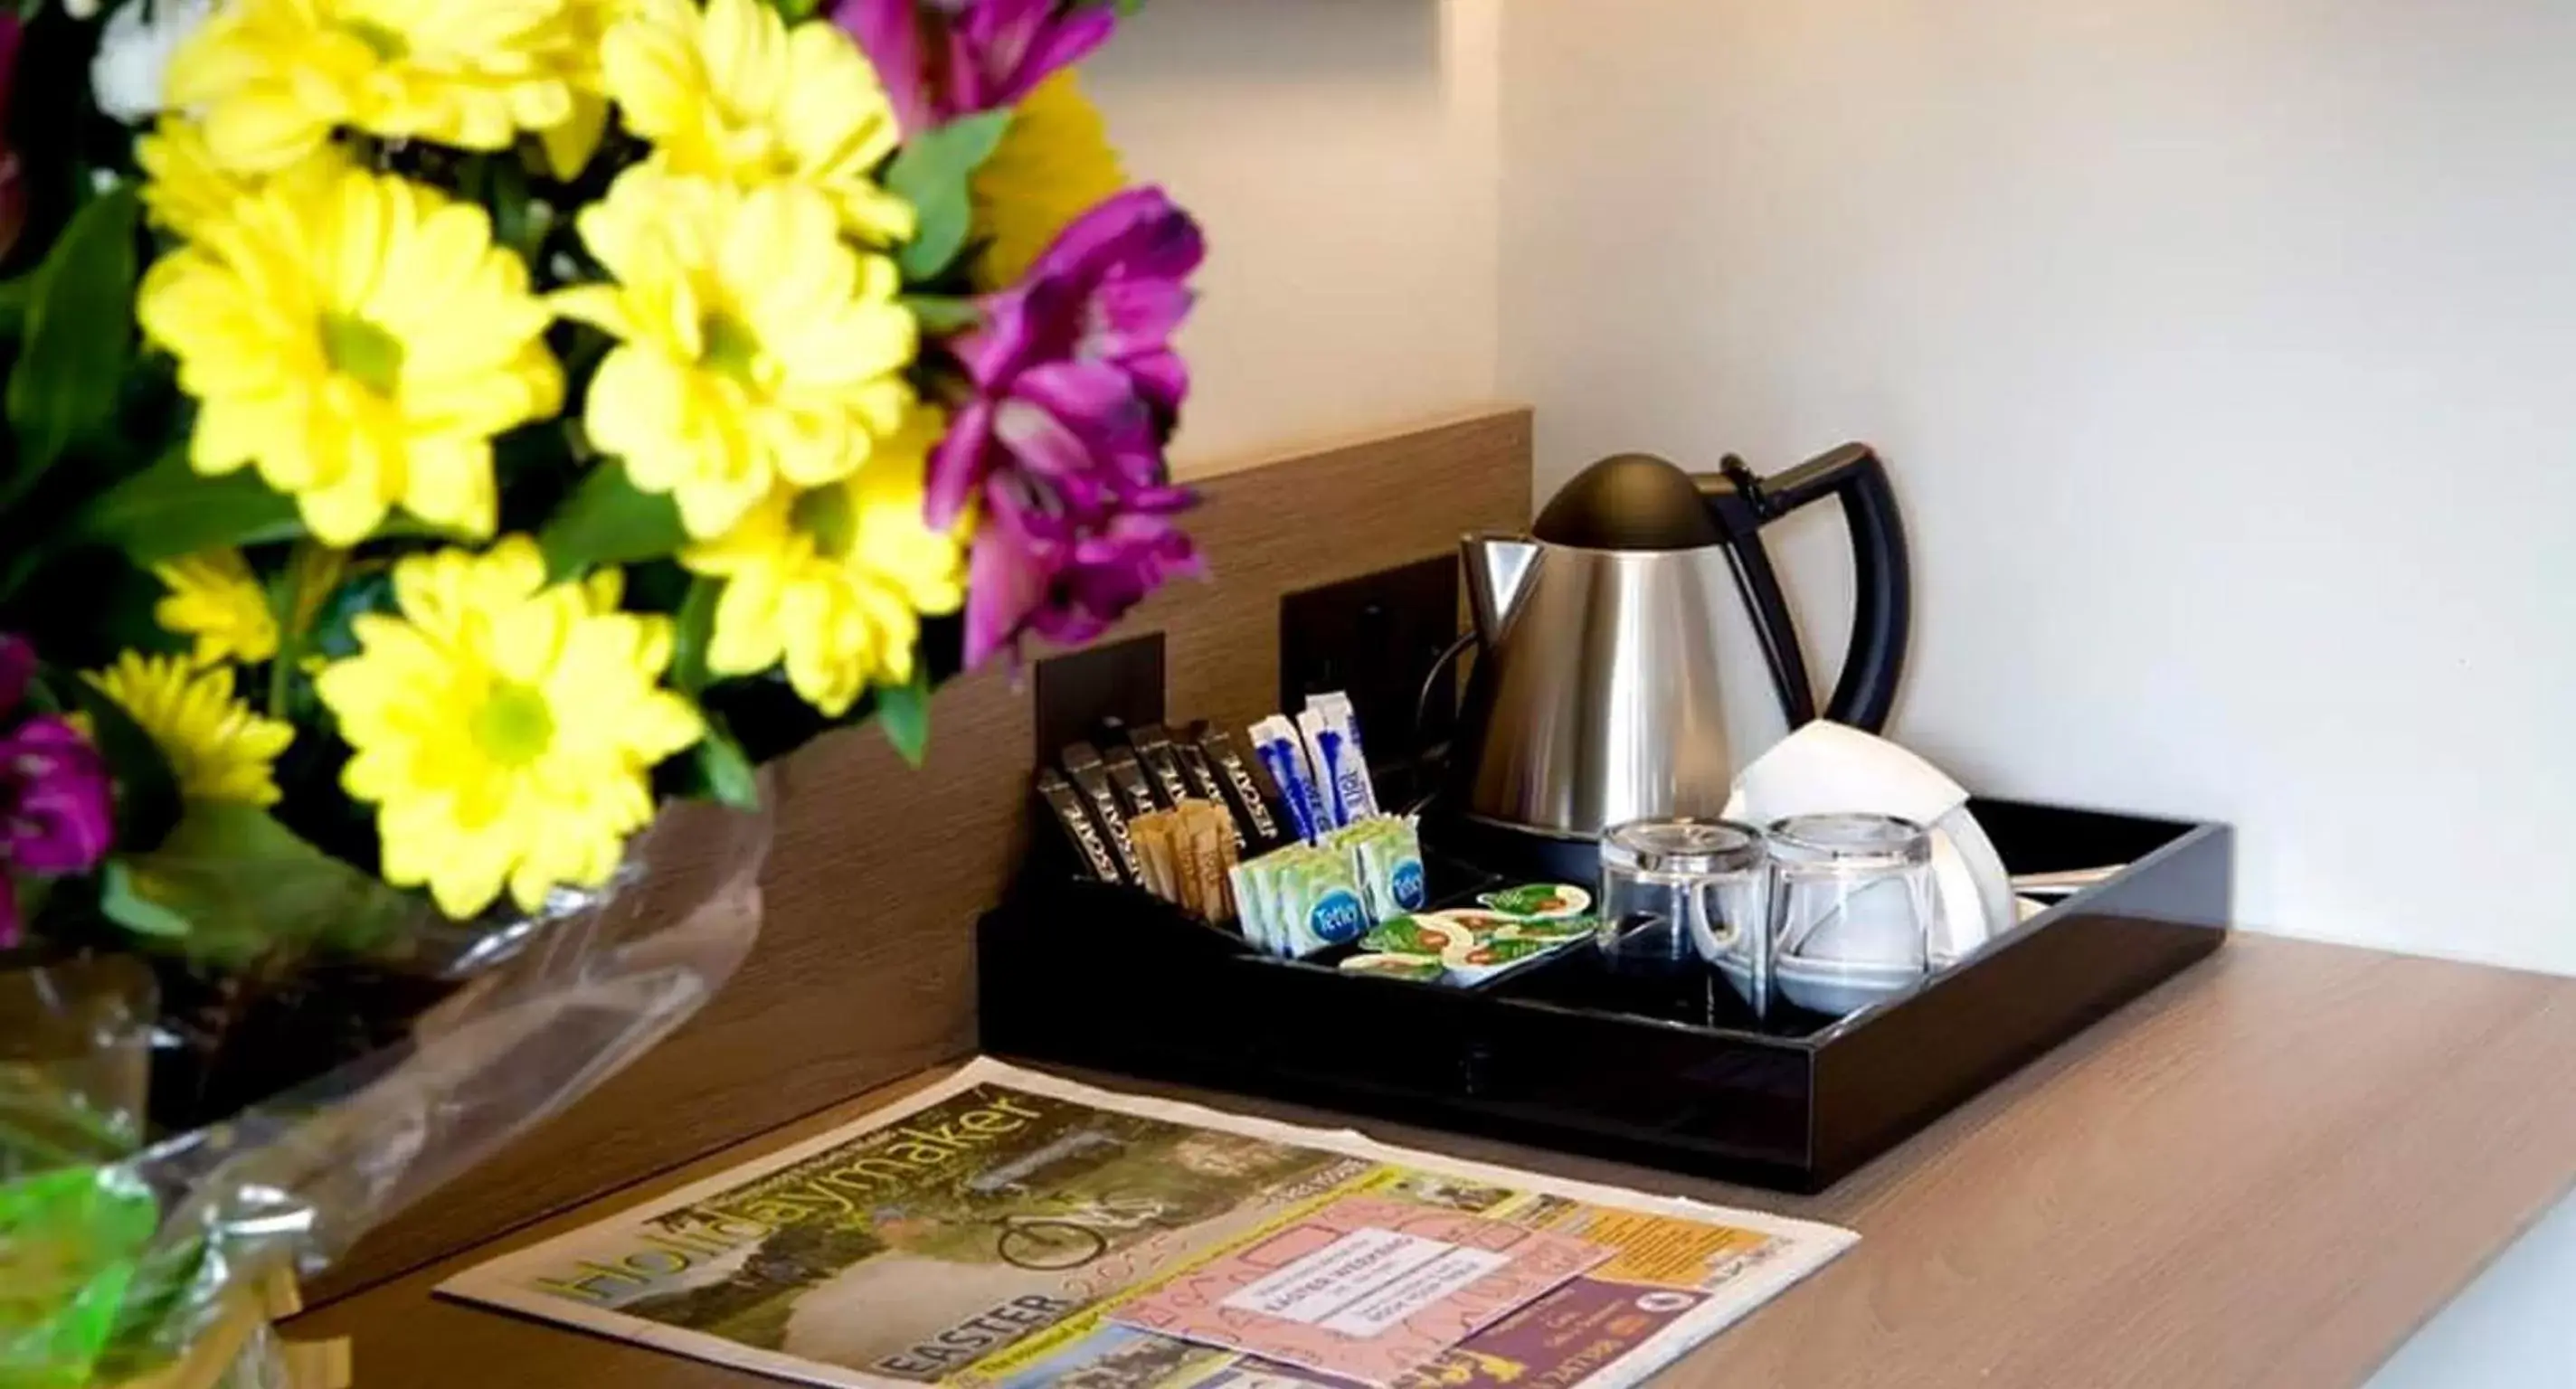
2269,1172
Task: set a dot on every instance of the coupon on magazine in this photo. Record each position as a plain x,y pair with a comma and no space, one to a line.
1010,1230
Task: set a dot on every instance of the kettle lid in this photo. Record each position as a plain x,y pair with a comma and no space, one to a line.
1633,501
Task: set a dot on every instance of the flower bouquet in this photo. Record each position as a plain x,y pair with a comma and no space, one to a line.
450,448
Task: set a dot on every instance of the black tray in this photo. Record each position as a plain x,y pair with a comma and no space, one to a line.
1668,1071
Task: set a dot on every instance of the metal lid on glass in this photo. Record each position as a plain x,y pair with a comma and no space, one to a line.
1682,846
1850,841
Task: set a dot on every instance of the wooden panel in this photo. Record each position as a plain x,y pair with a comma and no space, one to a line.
863,969
2269,1172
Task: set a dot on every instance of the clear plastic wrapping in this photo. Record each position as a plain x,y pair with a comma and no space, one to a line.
117,1261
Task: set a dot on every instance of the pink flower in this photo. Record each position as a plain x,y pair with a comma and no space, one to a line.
1068,577
55,809
1075,373
1075,388
955,58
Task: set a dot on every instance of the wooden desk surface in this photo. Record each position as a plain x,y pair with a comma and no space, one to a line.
2268,1172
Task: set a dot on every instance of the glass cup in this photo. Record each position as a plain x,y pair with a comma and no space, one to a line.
1676,892
1850,909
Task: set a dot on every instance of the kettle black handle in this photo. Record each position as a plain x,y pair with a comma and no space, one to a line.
1743,504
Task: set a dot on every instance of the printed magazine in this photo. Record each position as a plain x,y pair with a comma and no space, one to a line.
1009,1230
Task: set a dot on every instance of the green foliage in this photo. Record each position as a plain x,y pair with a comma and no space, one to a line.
500,183
15,294
134,909
168,510
722,772
693,629
230,883
932,172
607,520
537,466
333,635
79,337
314,805
903,711
942,314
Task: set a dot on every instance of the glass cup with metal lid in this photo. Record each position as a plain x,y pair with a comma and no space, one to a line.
1675,892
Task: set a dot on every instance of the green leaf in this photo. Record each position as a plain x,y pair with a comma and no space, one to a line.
16,293
297,612
693,629
724,771
168,510
333,634
80,334
932,172
942,314
231,884
903,711
795,11
608,521
134,911
518,219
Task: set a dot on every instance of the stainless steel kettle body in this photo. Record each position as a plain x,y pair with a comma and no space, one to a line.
1599,695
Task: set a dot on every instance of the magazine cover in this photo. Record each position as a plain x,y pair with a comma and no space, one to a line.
1009,1230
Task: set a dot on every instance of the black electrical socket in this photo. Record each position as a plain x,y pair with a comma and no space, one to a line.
1077,691
1377,638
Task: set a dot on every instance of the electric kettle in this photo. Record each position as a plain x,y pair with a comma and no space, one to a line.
1597,696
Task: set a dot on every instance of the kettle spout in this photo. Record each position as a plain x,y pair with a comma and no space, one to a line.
1498,571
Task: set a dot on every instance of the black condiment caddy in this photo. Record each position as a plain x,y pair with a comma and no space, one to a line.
1667,1070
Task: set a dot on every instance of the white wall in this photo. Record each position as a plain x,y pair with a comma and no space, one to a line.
1341,154
2226,352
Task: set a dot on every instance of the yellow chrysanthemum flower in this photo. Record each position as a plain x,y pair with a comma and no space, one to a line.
570,143
184,188
835,579
214,598
731,93
1054,164
273,78
754,344
505,729
360,340
217,748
